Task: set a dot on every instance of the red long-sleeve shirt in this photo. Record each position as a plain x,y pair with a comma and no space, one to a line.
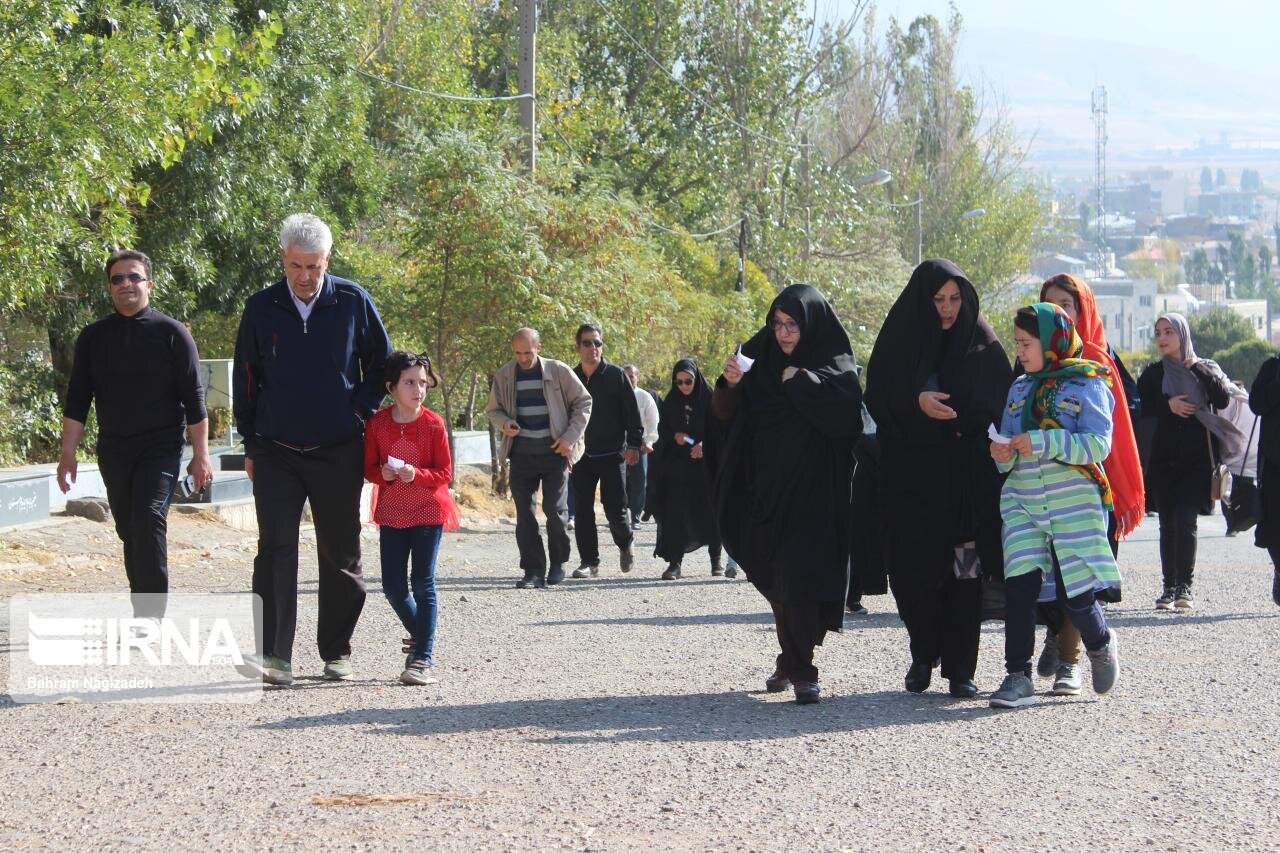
424,445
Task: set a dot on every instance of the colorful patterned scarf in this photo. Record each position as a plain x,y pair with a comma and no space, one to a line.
1062,347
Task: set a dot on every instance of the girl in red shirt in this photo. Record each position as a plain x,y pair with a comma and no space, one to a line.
406,457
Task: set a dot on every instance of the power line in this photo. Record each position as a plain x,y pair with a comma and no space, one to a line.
572,153
692,94
444,95
647,220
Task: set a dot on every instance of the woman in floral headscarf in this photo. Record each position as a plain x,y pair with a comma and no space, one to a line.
1058,423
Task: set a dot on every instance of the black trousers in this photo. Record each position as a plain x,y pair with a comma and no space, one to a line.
943,616
528,474
330,478
1021,593
800,630
1178,527
608,472
140,474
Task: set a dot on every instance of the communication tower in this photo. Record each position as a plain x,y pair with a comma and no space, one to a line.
1100,172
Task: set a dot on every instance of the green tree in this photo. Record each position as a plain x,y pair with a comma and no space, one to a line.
1220,179
1218,329
1243,359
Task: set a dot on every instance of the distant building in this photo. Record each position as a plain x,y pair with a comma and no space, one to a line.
1227,203
1128,310
1253,310
1134,199
1050,265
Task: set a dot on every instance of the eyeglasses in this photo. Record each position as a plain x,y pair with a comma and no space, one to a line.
683,382
132,278
788,326
595,342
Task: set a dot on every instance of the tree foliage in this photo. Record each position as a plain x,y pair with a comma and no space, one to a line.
1218,329
669,133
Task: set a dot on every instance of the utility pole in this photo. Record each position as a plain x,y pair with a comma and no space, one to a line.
808,198
527,67
742,254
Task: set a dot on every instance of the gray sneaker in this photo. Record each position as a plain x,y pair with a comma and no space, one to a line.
1016,691
277,671
1067,680
1165,601
417,673
1104,666
1047,665
1183,599
338,669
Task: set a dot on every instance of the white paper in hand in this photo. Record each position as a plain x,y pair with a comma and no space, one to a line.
994,435
744,363
395,463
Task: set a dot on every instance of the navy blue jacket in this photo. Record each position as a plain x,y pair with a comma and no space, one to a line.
312,383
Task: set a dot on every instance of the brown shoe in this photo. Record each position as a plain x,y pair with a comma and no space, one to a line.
807,692
777,682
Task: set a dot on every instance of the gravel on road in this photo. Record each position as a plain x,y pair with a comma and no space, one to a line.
626,712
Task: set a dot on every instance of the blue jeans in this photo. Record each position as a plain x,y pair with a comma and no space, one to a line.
417,611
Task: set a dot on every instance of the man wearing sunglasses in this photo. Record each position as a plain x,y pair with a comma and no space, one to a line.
141,370
612,442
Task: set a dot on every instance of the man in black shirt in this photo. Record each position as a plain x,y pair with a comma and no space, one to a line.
613,437
142,369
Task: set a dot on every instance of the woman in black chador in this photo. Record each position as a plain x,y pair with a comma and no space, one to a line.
937,378
680,469
784,484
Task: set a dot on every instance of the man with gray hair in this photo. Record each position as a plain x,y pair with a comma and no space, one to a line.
541,408
309,364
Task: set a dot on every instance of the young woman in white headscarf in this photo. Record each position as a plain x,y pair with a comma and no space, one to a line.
1180,392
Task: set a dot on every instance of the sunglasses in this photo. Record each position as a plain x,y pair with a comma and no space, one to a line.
595,342
683,382
132,278
790,326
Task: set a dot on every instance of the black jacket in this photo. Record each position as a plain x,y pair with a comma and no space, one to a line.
312,383
1178,467
615,414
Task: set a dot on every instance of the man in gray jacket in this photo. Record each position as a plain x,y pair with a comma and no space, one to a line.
541,408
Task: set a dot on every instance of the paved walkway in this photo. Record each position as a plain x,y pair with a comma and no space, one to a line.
627,712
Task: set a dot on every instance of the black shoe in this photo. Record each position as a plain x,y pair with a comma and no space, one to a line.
672,573
555,575
626,560
807,692
855,607
717,570
918,677
644,516
525,582
1275,588
963,688
777,682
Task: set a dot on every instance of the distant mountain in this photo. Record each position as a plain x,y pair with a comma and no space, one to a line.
1158,99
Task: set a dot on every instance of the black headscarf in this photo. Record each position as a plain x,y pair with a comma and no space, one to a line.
688,414
939,470
783,489
913,352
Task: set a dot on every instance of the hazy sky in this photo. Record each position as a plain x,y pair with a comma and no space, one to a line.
1177,73
1243,35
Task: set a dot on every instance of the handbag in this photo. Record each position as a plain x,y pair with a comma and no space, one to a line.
1242,506
1220,479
